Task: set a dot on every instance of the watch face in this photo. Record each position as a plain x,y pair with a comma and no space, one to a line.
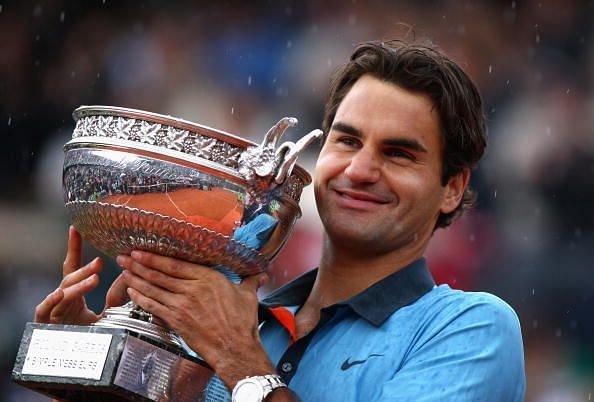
248,391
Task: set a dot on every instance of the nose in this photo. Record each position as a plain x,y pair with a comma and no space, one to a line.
364,167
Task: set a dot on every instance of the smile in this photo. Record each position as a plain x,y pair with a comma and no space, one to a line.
359,200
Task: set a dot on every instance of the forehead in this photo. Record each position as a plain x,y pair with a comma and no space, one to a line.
381,108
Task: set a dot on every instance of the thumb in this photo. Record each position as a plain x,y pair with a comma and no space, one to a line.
116,295
254,282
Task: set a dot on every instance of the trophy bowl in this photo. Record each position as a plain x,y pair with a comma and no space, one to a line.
139,180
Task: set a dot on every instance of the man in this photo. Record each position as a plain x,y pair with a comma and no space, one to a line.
403,127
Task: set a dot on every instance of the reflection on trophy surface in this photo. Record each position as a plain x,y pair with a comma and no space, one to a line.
139,180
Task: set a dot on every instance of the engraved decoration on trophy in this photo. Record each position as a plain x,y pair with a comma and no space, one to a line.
139,180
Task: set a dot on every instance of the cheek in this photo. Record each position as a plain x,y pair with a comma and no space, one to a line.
327,167
418,188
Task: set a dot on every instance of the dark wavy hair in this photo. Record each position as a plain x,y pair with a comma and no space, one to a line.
423,69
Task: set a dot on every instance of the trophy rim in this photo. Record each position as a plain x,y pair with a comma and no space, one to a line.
106,110
233,139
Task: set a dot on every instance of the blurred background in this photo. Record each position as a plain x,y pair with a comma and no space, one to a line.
240,66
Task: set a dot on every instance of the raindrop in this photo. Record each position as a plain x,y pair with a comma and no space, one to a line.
490,69
62,15
37,37
507,82
98,75
72,74
0,8
513,5
532,291
537,38
548,131
289,44
250,80
471,237
37,11
232,110
590,396
495,194
558,333
103,1
534,323
567,91
9,120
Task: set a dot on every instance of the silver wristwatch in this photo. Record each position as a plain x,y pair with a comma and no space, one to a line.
255,389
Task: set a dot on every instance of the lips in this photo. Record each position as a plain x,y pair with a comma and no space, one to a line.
356,199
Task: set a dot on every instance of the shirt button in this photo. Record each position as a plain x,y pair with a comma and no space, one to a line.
287,367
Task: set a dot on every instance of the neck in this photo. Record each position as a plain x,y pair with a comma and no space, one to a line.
345,272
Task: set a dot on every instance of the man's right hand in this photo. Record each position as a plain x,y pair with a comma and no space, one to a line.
66,304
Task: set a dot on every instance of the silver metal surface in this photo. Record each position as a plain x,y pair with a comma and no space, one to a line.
139,180
160,375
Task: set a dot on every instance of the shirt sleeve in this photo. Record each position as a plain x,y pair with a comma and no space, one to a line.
475,353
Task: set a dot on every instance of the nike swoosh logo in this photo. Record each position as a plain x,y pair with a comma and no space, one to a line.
347,364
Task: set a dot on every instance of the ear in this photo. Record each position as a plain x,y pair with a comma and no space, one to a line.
454,190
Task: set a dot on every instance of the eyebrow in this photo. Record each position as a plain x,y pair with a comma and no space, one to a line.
409,143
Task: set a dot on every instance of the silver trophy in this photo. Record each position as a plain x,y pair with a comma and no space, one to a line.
135,180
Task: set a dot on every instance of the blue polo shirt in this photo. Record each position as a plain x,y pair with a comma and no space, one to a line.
402,339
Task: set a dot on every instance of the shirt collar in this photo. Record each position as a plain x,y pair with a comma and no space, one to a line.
375,303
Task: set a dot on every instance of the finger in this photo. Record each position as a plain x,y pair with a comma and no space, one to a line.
148,289
148,304
254,282
73,259
169,266
93,267
149,274
80,289
116,295
44,309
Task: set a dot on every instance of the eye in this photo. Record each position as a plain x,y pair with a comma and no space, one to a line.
348,141
398,153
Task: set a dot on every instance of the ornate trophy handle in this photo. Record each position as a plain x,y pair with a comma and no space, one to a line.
288,152
265,161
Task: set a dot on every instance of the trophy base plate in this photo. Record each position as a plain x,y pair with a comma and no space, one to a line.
91,363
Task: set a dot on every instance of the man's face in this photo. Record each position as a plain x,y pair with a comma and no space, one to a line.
377,179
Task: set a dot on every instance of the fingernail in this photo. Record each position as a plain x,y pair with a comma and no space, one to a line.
135,254
120,260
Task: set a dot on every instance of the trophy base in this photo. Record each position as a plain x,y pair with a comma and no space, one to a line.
91,363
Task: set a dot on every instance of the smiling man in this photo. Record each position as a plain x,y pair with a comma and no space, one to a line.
404,126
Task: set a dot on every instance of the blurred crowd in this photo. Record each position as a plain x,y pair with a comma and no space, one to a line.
240,66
